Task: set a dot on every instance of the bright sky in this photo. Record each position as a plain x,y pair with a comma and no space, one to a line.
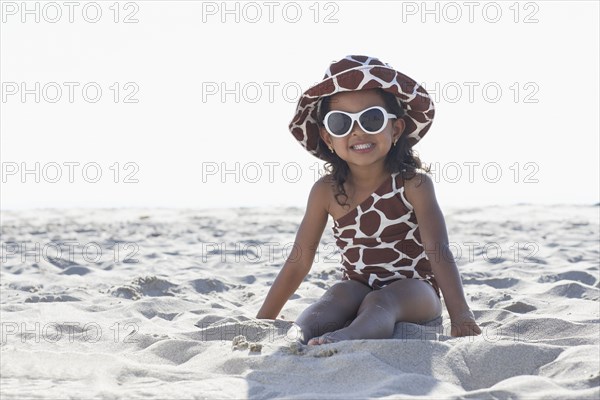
186,104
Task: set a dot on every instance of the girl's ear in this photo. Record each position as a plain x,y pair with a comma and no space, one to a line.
325,135
399,126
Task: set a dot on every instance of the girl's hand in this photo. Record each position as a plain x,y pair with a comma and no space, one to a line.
463,324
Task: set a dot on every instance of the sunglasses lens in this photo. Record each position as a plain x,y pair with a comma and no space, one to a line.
372,120
339,124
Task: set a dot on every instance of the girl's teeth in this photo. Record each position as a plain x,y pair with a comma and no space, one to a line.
362,146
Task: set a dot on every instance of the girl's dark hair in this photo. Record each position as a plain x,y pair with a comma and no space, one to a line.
400,158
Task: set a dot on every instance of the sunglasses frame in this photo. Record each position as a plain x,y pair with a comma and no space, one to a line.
355,117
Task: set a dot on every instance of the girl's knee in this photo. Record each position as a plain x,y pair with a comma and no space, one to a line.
407,300
345,290
346,295
377,298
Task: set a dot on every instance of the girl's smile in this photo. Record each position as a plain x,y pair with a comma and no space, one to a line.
362,147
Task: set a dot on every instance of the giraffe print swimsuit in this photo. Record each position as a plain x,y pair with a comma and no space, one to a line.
380,240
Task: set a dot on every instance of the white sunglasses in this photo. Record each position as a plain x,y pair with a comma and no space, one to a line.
371,120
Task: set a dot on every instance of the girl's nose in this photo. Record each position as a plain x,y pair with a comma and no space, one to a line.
356,129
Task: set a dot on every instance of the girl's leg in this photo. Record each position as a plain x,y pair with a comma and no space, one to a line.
410,300
332,311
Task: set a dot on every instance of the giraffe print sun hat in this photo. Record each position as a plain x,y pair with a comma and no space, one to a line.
362,73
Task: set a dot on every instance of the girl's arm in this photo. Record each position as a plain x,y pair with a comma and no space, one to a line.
420,193
300,260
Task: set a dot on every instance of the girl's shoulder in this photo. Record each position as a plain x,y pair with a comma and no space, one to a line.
419,188
324,183
322,192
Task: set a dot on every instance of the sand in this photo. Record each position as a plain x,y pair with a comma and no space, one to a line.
160,304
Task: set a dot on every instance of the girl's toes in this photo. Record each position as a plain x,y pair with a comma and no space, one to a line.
324,339
314,341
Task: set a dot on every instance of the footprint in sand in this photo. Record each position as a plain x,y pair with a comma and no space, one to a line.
147,286
520,307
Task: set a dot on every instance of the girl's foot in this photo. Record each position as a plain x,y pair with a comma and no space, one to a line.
329,337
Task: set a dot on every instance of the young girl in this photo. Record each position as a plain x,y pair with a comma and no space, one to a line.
363,119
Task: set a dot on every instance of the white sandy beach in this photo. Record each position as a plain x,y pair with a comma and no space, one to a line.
91,325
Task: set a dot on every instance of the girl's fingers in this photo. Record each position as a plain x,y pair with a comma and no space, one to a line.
465,329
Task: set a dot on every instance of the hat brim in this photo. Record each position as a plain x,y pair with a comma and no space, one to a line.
413,98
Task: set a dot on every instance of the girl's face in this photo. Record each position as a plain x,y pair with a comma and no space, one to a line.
379,144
